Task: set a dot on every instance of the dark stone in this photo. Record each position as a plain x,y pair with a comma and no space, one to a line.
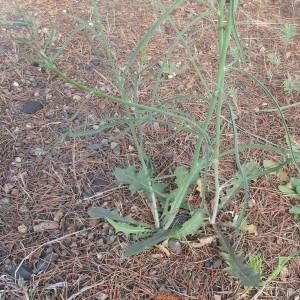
31,107
2,253
214,263
43,263
23,272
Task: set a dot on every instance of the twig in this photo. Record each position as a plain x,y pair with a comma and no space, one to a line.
97,195
86,288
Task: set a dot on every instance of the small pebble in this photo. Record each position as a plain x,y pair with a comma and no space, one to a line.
23,209
68,85
22,228
15,84
8,187
214,263
113,145
110,239
130,148
104,142
23,272
31,107
4,200
156,126
48,96
76,98
38,152
175,246
18,159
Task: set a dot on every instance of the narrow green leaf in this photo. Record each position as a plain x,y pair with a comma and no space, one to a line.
282,261
127,228
191,226
286,190
295,181
141,246
104,213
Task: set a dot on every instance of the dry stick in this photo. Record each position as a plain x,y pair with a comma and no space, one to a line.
47,244
86,288
103,193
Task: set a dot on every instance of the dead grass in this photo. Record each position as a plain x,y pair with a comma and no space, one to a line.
41,186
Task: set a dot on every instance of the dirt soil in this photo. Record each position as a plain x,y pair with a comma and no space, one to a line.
47,184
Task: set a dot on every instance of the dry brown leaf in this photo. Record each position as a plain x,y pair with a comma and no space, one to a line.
251,229
203,242
199,185
162,248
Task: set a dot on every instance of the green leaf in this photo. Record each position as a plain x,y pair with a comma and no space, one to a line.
295,210
191,226
168,67
286,190
103,213
127,228
269,164
137,181
295,182
288,87
282,261
236,266
256,263
288,33
141,246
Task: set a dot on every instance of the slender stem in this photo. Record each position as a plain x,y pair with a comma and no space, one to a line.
218,99
220,13
281,108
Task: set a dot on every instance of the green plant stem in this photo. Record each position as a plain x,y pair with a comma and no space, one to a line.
126,102
218,101
220,13
285,107
275,101
153,203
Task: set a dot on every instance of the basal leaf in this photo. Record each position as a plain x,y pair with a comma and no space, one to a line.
127,228
295,210
129,175
191,226
295,182
141,246
138,181
236,266
286,190
103,213
181,174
